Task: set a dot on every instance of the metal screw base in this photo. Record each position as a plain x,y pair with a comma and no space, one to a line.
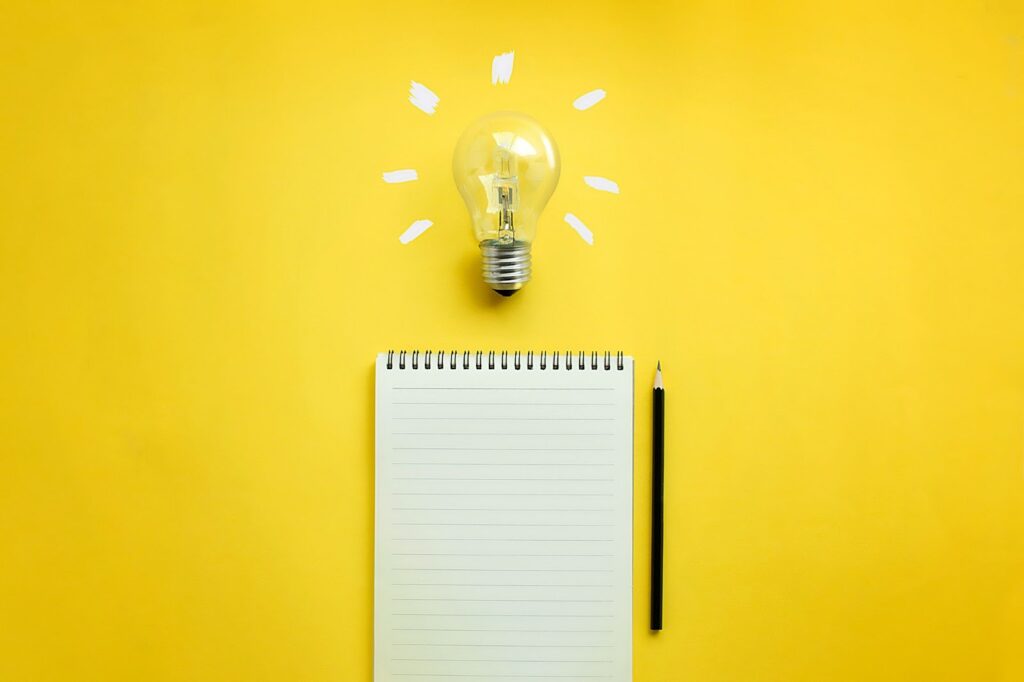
506,267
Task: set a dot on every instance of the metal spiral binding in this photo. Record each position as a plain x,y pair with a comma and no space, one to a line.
568,360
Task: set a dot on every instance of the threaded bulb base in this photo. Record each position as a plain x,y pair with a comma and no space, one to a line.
506,267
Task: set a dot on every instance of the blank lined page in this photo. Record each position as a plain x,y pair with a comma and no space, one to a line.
503,523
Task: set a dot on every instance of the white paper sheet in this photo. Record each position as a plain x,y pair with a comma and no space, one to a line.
503,523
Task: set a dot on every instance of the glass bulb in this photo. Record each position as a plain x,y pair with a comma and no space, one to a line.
506,167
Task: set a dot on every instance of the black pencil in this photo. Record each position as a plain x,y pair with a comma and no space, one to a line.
658,503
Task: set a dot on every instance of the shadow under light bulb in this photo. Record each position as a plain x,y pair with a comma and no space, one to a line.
506,167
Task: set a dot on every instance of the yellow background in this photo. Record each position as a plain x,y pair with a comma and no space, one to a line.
820,235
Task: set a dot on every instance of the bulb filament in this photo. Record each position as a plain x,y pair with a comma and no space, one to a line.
507,186
506,220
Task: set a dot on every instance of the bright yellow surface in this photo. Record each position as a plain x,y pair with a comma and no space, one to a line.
820,234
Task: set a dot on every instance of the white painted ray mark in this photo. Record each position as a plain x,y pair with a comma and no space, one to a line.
501,68
422,97
581,229
405,175
589,99
414,230
601,184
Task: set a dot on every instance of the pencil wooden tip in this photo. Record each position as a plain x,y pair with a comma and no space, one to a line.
657,378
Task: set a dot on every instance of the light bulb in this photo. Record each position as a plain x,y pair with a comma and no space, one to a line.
506,167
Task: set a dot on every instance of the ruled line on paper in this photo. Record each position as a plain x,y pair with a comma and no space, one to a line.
503,661
512,419
531,676
516,480
485,433
449,478
498,388
511,615
507,464
502,540
508,525
574,631
498,630
511,646
573,455
518,405
515,570
513,450
573,556
554,585
598,460
416,447
530,494
500,509
513,601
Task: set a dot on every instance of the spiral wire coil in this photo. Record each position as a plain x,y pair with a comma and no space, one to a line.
441,360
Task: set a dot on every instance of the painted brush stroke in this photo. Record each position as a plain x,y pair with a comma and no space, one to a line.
601,184
501,68
587,100
581,229
415,230
423,98
405,175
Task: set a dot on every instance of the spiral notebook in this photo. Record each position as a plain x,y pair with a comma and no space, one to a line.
504,517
